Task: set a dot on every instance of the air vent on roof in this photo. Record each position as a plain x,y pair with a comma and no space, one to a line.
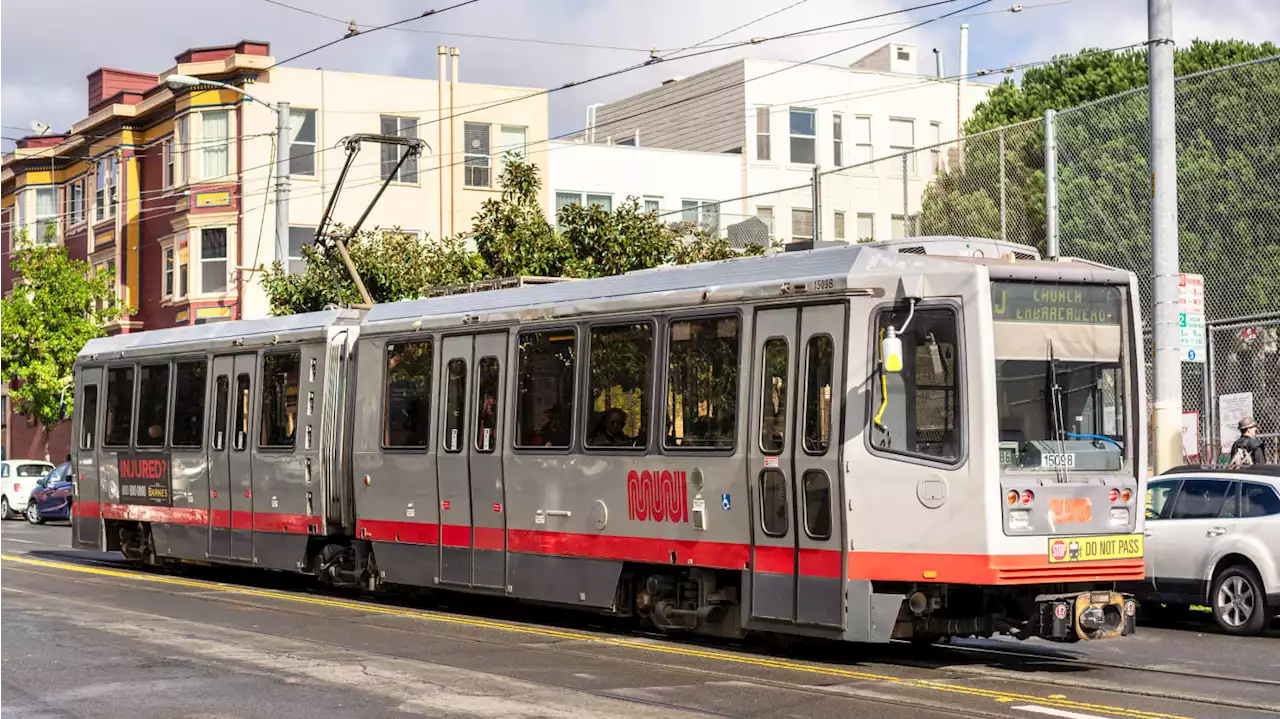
916,250
1023,256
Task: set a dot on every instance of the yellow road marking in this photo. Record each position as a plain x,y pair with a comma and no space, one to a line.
1057,700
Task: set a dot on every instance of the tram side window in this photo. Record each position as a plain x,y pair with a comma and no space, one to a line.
221,389
119,406
917,411
455,400
88,416
153,404
407,410
544,398
242,412
621,378
820,364
280,399
817,504
188,406
487,382
702,383
773,396
773,503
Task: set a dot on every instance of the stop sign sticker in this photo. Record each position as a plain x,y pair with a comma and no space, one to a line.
1058,550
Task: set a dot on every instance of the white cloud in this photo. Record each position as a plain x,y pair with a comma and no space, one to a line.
45,79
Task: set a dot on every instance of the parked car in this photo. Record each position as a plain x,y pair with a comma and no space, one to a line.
51,499
1213,538
17,478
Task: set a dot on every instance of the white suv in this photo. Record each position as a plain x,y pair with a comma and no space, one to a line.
1213,537
17,478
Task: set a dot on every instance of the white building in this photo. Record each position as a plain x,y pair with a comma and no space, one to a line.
780,119
673,183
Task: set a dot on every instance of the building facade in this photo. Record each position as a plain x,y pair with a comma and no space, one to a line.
174,189
781,120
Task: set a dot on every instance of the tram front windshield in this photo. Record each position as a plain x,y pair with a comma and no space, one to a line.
1060,376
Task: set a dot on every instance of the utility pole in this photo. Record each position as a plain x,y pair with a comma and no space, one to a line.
1167,395
282,183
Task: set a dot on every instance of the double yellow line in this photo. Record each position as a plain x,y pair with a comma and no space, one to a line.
1057,701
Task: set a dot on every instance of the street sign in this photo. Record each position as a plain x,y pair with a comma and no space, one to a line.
1191,335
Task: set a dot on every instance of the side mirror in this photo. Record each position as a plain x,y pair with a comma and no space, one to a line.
891,351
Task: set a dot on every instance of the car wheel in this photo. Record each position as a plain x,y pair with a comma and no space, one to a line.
33,513
5,510
1239,605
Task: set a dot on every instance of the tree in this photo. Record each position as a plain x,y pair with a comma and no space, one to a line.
57,305
512,234
394,266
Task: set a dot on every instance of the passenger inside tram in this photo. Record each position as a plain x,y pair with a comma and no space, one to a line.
610,430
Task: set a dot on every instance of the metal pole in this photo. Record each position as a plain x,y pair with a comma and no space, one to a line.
817,204
1211,385
1051,183
1164,237
282,183
1004,226
906,215
961,81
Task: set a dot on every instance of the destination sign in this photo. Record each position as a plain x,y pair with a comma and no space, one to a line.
1055,304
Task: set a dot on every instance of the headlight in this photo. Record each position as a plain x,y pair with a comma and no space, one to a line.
1020,519
1119,516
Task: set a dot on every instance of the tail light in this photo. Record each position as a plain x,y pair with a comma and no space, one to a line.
1027,496
1125,495
1113,495
1012,496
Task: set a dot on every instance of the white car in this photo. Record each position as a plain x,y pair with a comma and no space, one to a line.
1213,538
17,478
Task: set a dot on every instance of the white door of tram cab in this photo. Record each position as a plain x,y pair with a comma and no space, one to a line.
798,558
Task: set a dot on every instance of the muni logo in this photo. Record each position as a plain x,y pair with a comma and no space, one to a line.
657,496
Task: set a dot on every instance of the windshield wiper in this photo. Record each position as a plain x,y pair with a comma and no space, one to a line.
1055,412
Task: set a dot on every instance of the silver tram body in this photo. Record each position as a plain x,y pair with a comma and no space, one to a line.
764,474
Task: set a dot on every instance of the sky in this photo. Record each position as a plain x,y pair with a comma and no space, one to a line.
43,77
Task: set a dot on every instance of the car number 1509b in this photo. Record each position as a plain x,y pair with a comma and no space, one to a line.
1063,460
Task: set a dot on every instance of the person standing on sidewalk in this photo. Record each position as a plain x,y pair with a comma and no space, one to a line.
1248,448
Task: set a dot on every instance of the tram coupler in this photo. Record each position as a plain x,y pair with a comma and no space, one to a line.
1086,615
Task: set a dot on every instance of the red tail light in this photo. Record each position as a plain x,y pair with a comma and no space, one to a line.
1027,496
1113,495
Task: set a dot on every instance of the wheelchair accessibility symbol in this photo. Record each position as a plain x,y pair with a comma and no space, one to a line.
726,502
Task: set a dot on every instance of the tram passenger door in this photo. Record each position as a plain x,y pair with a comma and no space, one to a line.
230,478
798,559
488,512
86,521
453,460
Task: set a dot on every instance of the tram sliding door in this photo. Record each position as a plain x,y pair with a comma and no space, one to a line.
86,519
488,512
797,568
453,460
230,474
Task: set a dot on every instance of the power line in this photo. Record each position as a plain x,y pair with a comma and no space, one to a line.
739,27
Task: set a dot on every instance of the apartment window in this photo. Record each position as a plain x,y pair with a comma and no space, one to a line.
565,199
104,197
766,216
703,212
902,138
188,408
169,159
862,148
153,404
299,237
216,131
545,385
935,138
280,379
170,271
651,204
302,142
804,135
866,226
75,202
511,139
837,139
897,226
182,140
801,225
605,202
839,225
182,268
762,134
391,154
46,215
407,411
702,383
213,259
476,154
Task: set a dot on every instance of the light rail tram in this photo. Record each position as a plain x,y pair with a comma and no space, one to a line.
864,442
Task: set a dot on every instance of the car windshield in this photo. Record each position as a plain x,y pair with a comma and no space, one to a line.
33,470
1060,376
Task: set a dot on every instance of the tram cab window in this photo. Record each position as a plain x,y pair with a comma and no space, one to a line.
917,411
153,404
280,374
119,406
188,405
88,416
621,378
702,383
545,386
407,407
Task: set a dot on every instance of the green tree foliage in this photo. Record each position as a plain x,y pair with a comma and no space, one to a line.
393,265
58,306
1228,165
512,234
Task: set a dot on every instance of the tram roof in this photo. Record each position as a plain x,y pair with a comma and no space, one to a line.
195,338
658,287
